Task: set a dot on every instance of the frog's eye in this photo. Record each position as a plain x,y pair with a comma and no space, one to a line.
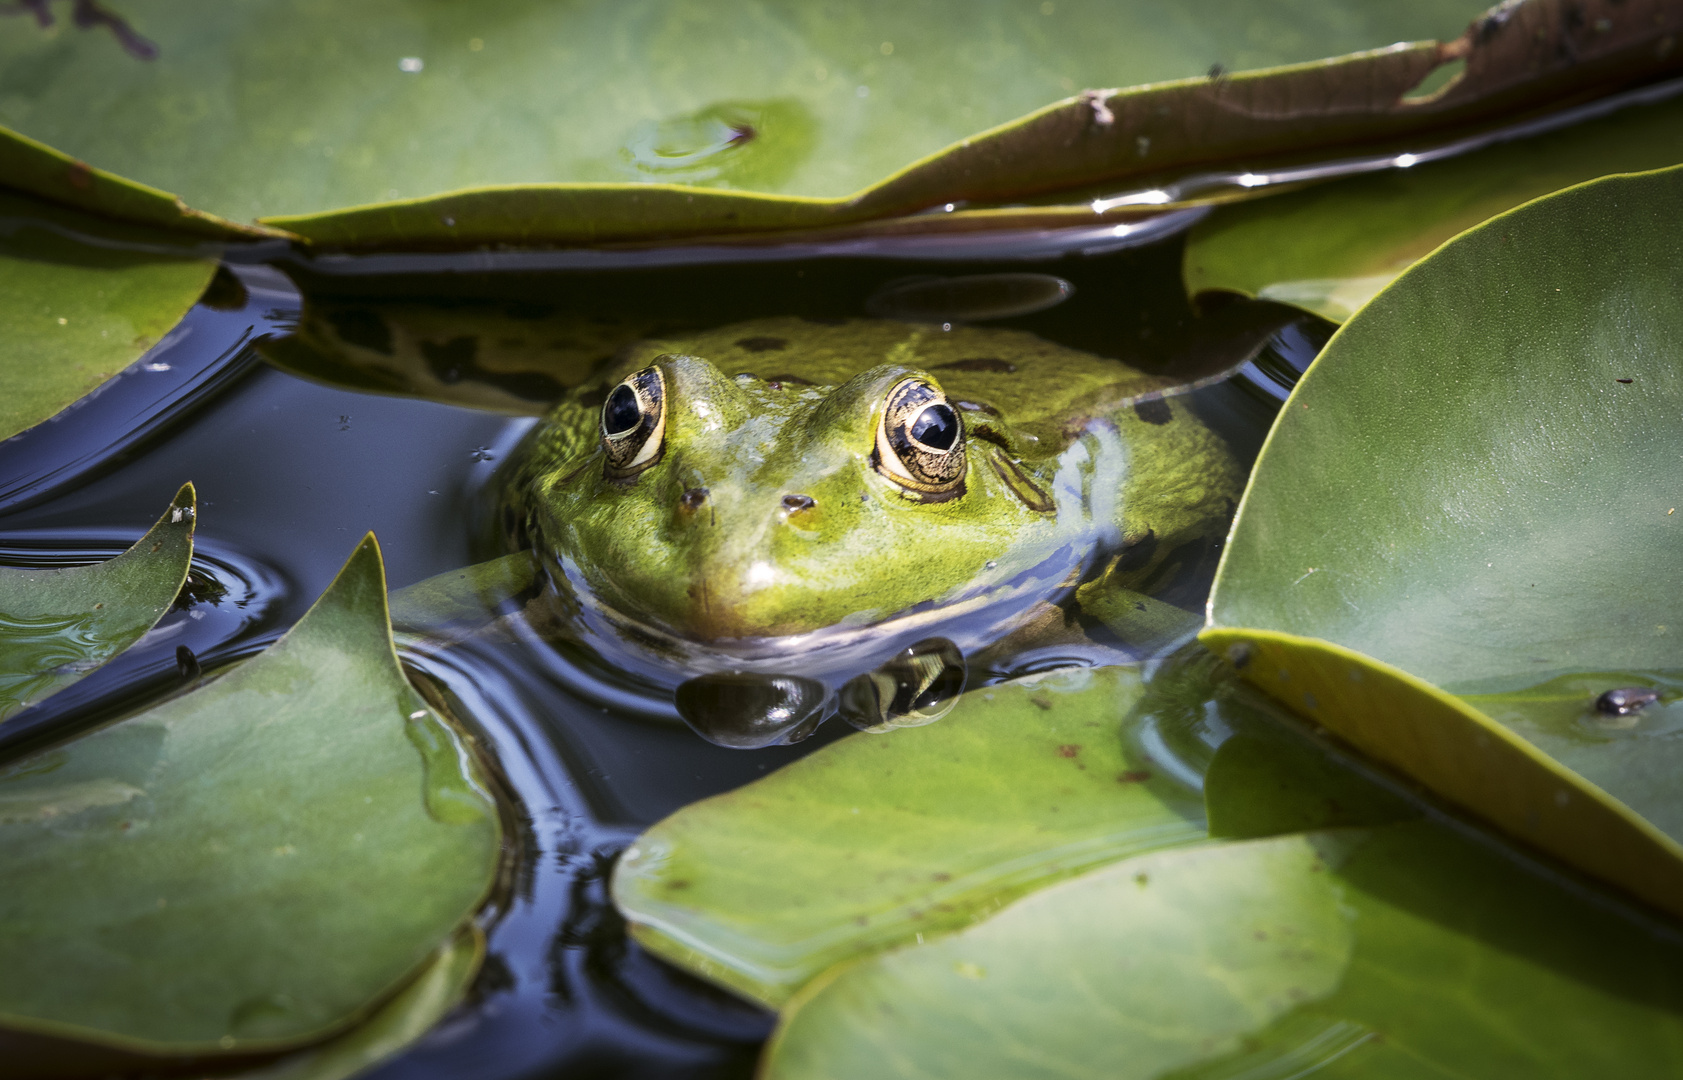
634,424
920,444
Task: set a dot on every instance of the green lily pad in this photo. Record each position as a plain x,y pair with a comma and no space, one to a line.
254,866
464,599
37,169
901,835
359,129
58,625
1406,950
410,1013
1531,54
1328,249
1425,950
295,107
1470,493
76,313
1127,971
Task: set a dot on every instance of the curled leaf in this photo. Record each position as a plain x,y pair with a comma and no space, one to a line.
58,625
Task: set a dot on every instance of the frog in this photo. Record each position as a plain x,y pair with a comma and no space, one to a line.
787,518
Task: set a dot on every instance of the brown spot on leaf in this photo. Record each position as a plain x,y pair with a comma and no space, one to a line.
1069,749
79,175
1133,776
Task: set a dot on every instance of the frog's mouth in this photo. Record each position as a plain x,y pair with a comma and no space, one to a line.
759,691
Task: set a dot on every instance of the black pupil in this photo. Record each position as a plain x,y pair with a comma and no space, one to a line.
936,427
621,412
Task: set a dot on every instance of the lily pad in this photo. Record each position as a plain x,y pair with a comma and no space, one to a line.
1406,950
1470,493
294,106
410,1013
901,835
1328,249
75,313
58,625
1518,56
464,599
251,867
1124,972
657,104
37,169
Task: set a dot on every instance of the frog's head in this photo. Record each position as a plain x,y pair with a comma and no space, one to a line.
720,507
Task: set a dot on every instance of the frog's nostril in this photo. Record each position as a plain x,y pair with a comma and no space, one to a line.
792,503
693,498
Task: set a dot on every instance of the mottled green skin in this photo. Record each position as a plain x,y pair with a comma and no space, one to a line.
741,564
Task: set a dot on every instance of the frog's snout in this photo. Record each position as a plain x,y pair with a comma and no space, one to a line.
745,557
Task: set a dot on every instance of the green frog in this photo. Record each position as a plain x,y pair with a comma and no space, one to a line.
791,518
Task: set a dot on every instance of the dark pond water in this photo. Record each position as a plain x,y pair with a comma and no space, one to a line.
292,472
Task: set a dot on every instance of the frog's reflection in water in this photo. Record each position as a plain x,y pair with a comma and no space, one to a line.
919,685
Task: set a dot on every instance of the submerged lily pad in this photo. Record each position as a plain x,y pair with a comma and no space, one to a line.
74,313
900,835
1329,248
58,625
1405,950
254,866
1473,489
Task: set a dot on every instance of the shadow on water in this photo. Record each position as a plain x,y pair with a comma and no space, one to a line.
292,471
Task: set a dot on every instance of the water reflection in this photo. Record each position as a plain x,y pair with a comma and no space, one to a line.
967,298
918,686
564,991
748,710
